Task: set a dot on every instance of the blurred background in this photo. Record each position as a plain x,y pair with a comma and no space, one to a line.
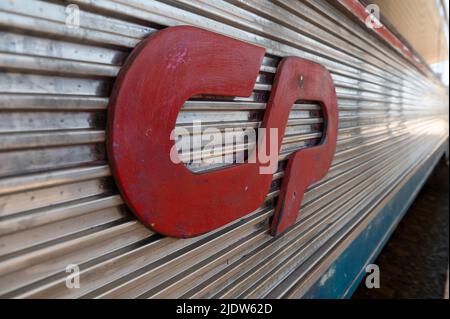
424,25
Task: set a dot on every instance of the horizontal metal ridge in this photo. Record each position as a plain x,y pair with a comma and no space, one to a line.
59,204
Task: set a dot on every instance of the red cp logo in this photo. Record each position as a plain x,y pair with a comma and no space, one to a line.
160,75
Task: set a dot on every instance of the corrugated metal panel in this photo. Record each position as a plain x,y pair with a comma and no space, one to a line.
58,202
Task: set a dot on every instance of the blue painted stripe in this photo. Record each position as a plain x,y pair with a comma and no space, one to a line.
345,273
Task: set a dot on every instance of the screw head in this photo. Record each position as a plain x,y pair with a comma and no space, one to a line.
300,81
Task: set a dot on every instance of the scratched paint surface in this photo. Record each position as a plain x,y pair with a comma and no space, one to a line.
166,196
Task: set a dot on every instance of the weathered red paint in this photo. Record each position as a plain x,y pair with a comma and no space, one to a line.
160,75
309,165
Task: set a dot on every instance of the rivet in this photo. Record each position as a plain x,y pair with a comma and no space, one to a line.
300,81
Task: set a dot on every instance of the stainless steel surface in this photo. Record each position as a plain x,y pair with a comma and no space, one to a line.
58,201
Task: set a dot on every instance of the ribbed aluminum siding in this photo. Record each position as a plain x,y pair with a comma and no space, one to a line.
58,202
